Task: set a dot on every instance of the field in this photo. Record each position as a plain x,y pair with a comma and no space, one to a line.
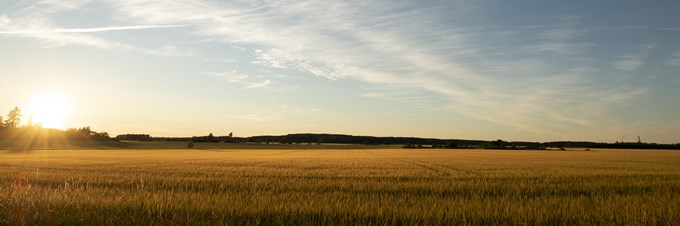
347,187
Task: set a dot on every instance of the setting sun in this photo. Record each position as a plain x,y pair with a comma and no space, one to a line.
50,110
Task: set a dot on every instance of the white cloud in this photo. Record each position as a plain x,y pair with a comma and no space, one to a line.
170,51
299,109
38,9
230,76
87,30
563,33
35,22
56,39
262,118
264,83
633,62
4,22
229,61
560,48
674,60
630,62
240,78
275,58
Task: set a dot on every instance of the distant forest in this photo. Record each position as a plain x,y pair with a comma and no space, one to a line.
28,135
407,142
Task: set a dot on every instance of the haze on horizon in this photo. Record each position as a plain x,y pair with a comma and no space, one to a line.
512,70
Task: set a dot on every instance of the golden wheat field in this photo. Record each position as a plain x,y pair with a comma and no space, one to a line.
346,187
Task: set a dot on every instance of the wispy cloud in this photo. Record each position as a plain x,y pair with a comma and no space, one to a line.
275,58
630,62
230,76
87,30
633,62
415,50
560,48
239,78
402,49
674,60
34,22
221,60
56,39
262,118
563,33
264,83
4,21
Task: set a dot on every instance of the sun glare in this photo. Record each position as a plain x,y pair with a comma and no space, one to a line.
50,111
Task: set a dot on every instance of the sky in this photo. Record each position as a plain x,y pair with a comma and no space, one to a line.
522,70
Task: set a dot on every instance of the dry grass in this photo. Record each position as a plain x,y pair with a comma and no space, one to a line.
364,187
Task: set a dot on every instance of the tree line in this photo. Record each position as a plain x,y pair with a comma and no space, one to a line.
311,138
13,128
406,142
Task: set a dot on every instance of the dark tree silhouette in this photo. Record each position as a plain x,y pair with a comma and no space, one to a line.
137,137
87,133
13,118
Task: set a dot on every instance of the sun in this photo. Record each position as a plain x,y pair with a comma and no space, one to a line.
50,110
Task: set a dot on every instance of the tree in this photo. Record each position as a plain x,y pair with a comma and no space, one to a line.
498,144
229,137
86,131
100,136
13,118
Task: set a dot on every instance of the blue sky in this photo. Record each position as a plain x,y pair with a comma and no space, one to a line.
512,70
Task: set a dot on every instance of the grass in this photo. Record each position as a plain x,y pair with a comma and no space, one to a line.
348,187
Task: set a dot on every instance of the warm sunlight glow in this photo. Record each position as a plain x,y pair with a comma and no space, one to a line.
50,111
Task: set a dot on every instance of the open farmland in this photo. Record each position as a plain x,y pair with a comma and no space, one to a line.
365,187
